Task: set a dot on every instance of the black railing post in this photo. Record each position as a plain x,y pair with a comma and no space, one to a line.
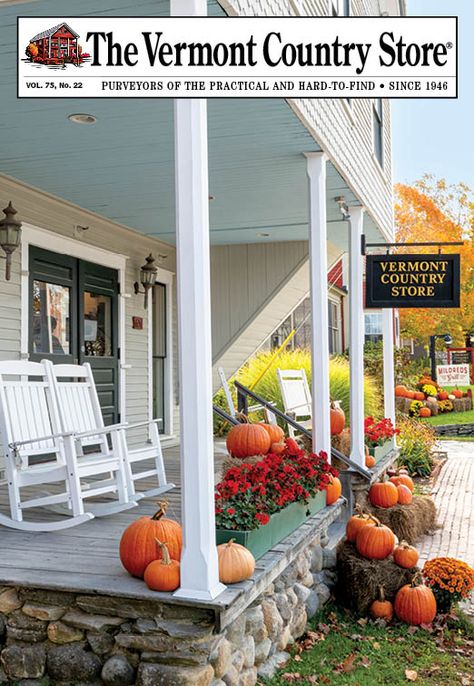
242,401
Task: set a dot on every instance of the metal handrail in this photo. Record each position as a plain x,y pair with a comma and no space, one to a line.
243,392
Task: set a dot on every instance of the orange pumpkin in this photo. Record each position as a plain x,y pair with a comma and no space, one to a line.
381,608
410,395
369,460
424,412
419,395
356,523
236,563
276,433
333,490
163,574
138,543
375,542
405,496
277,448
400,391
383,494
338,419
405,555
406,480
443,395
415,603
395,479
244,440
457,393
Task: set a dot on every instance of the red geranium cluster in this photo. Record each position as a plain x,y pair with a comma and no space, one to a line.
250,493
377,433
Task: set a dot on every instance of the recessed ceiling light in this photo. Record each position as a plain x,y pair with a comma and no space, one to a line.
262,234
82,118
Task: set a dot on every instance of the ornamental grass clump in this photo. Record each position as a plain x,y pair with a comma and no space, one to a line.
249,494
450,579
416,441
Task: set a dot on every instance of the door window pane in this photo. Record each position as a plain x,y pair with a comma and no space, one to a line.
97,325
51,307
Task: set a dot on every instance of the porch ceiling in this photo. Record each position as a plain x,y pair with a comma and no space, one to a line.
122,167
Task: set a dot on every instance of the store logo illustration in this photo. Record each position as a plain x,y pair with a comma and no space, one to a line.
56,48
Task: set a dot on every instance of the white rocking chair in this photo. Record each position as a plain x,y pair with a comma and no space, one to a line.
80,413
296,397
38,453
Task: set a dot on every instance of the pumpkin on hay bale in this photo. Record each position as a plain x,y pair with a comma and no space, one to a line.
408,522
359,579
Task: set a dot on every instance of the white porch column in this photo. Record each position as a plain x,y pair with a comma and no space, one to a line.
199,568
316,169
388,369
356,335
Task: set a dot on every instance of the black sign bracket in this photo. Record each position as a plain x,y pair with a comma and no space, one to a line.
433,244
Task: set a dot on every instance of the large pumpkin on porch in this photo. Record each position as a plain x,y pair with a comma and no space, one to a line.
245,440
236,563
383,494
338,419
138,545
333,490
415,603
276,433
375,542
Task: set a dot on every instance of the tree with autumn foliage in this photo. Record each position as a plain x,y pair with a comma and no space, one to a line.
432,210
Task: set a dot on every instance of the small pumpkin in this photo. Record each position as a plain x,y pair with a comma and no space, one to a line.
276,433
138,543
164,574
405,496
356,523
419,395
443,395
236,563
369,460
405,555
424,412
406,480
400,391
277,448
337,418
375,542
383,494
457,393
415,603
381,608
410,395
333,490
245,440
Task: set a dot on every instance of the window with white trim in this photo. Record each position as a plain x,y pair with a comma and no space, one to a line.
377,117
334,328
373,326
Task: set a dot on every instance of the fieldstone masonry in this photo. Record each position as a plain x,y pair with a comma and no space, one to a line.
49,637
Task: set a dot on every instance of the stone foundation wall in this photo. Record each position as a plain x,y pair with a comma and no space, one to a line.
455,430
49,637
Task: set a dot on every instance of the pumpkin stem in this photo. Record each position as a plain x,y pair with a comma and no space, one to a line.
243,419
381,594
166,560
417,580
359,510
230,542
163,504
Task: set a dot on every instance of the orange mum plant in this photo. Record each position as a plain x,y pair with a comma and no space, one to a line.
450,579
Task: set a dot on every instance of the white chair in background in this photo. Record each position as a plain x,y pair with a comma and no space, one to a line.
296,397
38,454
80,413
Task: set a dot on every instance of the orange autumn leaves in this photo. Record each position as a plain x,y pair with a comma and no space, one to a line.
431,210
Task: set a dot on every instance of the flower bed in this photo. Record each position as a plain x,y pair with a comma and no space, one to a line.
260,504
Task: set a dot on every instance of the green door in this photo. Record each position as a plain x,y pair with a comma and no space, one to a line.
74,319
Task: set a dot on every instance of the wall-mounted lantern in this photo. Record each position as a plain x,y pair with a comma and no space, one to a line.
10,236
147,277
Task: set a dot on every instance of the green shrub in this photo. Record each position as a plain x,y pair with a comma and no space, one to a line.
416,441
268,386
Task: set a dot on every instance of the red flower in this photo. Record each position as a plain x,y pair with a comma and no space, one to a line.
262,518
230,510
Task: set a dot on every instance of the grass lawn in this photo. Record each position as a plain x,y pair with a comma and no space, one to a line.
339,650
451,418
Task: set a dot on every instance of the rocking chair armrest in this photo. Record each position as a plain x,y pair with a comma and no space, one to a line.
99,431
137,425
17,444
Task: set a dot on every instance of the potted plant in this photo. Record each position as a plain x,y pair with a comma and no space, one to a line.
378,436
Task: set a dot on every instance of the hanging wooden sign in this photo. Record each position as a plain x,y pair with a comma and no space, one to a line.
394,281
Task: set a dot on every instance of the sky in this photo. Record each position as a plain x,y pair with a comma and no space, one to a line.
437,136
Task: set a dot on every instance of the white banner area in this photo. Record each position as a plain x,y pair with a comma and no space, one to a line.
453,375
207,57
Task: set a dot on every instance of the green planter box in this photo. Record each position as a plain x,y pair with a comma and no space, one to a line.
380,451
281,525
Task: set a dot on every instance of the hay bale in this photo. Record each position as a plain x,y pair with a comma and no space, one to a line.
342,442
231,462
359,579
408,522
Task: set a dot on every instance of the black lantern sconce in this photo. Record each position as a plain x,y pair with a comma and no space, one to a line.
147,277
10,236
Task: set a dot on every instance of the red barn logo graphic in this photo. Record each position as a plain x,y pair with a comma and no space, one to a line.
56,47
